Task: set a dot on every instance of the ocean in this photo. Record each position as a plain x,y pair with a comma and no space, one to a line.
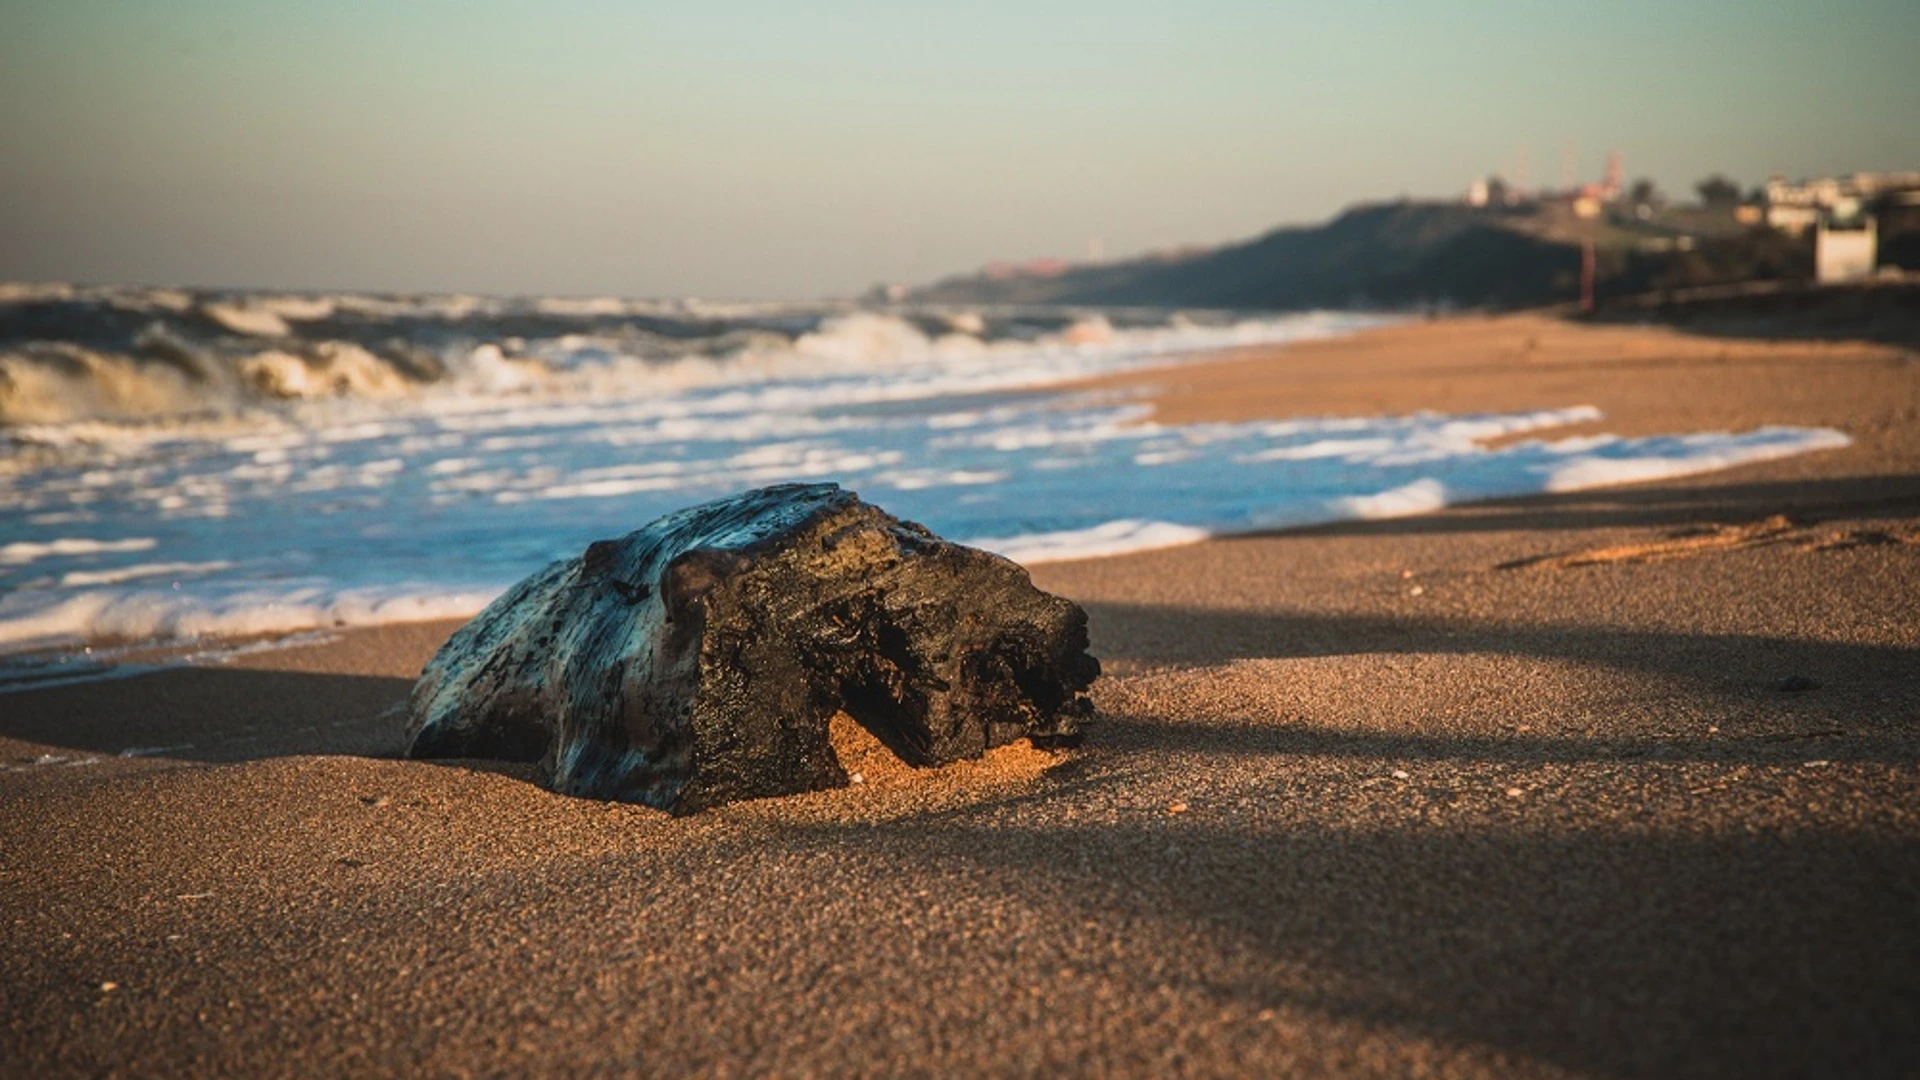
179,464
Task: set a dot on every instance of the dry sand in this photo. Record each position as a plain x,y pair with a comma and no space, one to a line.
1509,789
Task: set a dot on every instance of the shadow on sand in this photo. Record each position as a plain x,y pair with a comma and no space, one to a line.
1741,665
214,714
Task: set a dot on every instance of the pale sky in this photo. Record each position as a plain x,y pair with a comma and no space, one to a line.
808,149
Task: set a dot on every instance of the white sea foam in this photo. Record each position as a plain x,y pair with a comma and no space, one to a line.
1107,538
360,507
1682,455
21,552
140,614
74,579
250,320
1417,497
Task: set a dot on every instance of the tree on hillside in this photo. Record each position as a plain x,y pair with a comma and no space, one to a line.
1717,190
1642,192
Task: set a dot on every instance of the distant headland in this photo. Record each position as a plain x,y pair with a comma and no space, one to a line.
1497,248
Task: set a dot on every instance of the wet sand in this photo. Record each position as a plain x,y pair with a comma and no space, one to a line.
1508,789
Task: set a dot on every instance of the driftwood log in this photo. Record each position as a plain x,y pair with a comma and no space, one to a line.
699,660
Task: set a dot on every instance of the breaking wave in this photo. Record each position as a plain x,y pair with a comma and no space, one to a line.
70,353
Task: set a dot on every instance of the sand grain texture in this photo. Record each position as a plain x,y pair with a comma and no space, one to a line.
1449,795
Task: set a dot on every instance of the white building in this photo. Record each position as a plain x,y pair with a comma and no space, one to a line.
1826,192
1845,238
1844,254
1792,218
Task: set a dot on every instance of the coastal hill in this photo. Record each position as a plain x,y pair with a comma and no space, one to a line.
1412,254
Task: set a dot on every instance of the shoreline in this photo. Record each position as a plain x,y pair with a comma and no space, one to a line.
1475,792
1530,370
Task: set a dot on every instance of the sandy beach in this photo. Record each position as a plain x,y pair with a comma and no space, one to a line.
1619,782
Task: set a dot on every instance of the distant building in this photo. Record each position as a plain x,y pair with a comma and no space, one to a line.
1584,201
1791,218
1832,206
1031,268
1800,204
1614,183
1844,251
1827,191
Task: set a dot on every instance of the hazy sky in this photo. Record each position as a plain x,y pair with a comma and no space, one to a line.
802,149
